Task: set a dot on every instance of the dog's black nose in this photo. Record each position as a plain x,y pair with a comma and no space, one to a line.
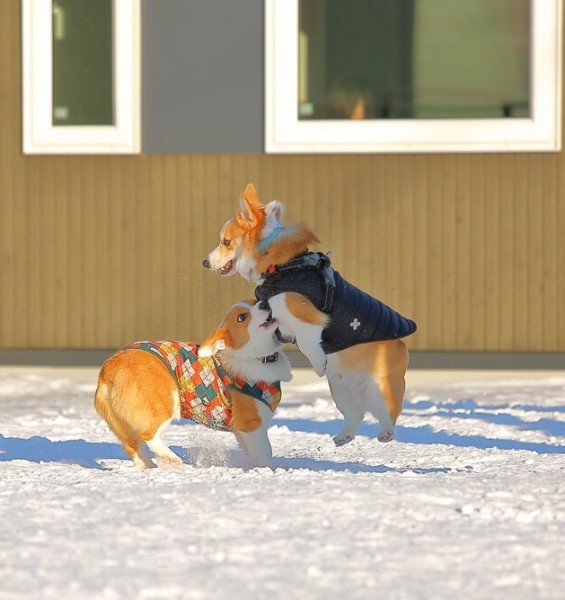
206,263
264,305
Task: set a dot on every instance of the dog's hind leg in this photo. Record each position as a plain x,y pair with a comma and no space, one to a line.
133,446
392,391
160,449
373,375
131,442
153,437
352,412
361,394
379,409
391,381
140,458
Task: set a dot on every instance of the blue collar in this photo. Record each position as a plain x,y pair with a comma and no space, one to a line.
270,238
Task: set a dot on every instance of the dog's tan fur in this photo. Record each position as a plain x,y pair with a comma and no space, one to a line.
138,397
389,361
303,309
125,378
368,377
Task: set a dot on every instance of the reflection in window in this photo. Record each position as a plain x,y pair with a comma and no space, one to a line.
83,61
402,59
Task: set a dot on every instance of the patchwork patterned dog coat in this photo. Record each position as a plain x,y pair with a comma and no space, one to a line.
204,386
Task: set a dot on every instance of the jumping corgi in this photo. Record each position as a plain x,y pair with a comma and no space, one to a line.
345,333
230,382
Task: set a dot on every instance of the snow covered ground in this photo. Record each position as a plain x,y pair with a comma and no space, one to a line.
467,503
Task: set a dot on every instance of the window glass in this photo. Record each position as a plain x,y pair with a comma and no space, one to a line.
81,76
83,62
414,59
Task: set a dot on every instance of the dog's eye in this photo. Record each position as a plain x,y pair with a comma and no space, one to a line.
241,317
226,242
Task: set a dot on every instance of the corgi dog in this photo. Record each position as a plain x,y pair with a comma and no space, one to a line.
346,334
230,382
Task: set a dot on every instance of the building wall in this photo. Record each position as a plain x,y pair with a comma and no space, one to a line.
97,251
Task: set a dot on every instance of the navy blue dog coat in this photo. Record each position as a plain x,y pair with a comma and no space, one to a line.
355,317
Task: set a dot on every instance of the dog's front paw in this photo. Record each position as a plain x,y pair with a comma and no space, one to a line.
341,440
320,368
386,435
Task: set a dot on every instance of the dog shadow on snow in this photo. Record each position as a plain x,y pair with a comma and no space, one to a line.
40,449
89,454
460,409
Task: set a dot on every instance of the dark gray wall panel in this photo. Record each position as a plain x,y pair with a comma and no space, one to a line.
202,86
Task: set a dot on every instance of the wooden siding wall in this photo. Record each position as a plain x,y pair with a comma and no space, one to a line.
97,251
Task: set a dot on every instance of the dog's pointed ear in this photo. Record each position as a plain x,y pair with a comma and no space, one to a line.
251,209
214,343
276,209
251,196
245,219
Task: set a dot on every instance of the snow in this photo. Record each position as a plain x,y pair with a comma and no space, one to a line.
468,502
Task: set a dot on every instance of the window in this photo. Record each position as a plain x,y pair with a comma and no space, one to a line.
81,76
413,75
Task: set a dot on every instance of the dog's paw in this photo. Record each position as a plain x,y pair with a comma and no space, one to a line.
170,460
341,440
320,368
386,435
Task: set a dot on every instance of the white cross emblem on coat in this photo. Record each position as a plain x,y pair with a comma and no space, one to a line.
354,324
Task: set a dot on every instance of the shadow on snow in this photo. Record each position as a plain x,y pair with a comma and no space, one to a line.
460,409
39,449
88,454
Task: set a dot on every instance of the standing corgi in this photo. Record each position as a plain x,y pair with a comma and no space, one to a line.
230,382
345,333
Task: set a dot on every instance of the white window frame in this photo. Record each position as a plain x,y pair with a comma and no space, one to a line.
285,133
40,136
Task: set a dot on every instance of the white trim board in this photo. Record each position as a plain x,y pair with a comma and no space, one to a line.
40,136
286,133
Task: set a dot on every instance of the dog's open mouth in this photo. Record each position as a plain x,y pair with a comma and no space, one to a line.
227,268
270,322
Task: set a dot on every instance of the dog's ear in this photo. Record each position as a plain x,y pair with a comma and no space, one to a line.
251,196
276,209
214,343
246,219
251,210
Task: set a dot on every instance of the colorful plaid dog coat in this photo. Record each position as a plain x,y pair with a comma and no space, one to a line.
204,386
